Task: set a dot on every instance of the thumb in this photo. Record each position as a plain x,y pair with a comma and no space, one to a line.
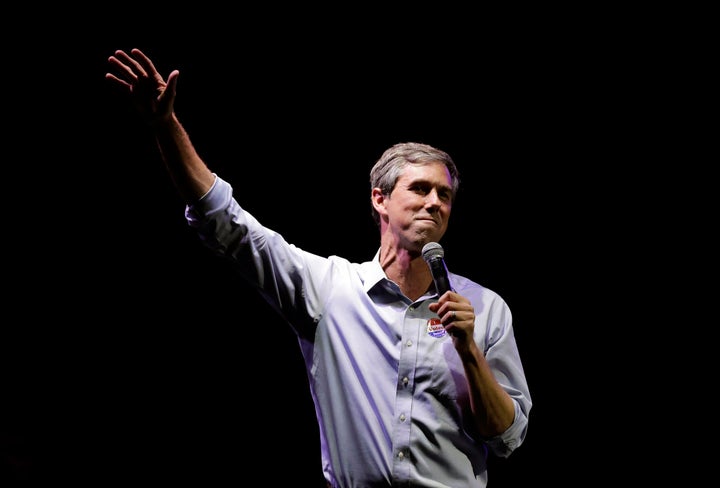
167,98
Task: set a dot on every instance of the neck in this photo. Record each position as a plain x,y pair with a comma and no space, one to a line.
410,272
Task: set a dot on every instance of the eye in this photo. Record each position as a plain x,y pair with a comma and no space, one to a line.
445,195
419,189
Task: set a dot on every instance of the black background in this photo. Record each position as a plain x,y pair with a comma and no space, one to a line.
131,355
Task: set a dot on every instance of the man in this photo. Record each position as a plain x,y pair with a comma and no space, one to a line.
410,388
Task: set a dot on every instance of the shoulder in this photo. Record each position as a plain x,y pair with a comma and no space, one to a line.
477,293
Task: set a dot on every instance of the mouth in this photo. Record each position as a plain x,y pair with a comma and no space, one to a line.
428,223
428,219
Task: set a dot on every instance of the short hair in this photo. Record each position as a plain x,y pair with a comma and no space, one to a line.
386,171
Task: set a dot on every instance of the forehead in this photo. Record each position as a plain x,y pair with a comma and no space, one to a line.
436,172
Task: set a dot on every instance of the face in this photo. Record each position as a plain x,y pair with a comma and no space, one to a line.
419,206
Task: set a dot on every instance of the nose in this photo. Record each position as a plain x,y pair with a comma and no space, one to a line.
433,198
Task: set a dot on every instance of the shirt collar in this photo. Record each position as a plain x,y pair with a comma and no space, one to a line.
372,273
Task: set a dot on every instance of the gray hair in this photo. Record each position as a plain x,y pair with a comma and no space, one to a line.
386,171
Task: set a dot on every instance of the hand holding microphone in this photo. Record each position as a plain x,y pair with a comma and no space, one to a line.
460,307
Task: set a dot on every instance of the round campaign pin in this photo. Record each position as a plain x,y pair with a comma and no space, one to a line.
435,328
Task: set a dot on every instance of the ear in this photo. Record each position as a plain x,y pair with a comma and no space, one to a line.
378,201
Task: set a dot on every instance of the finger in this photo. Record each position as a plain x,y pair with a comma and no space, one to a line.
115,79
449,317
168,96
123,70
127,64
146,63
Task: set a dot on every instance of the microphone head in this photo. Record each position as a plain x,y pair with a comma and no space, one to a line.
432,250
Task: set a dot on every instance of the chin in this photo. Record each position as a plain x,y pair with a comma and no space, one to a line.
424,238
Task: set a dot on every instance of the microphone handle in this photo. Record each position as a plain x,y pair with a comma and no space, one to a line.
440,276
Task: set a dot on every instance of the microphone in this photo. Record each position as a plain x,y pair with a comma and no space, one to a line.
433,255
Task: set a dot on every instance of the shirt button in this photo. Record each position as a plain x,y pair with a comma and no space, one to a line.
406,381
408,343
402,417
401,455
